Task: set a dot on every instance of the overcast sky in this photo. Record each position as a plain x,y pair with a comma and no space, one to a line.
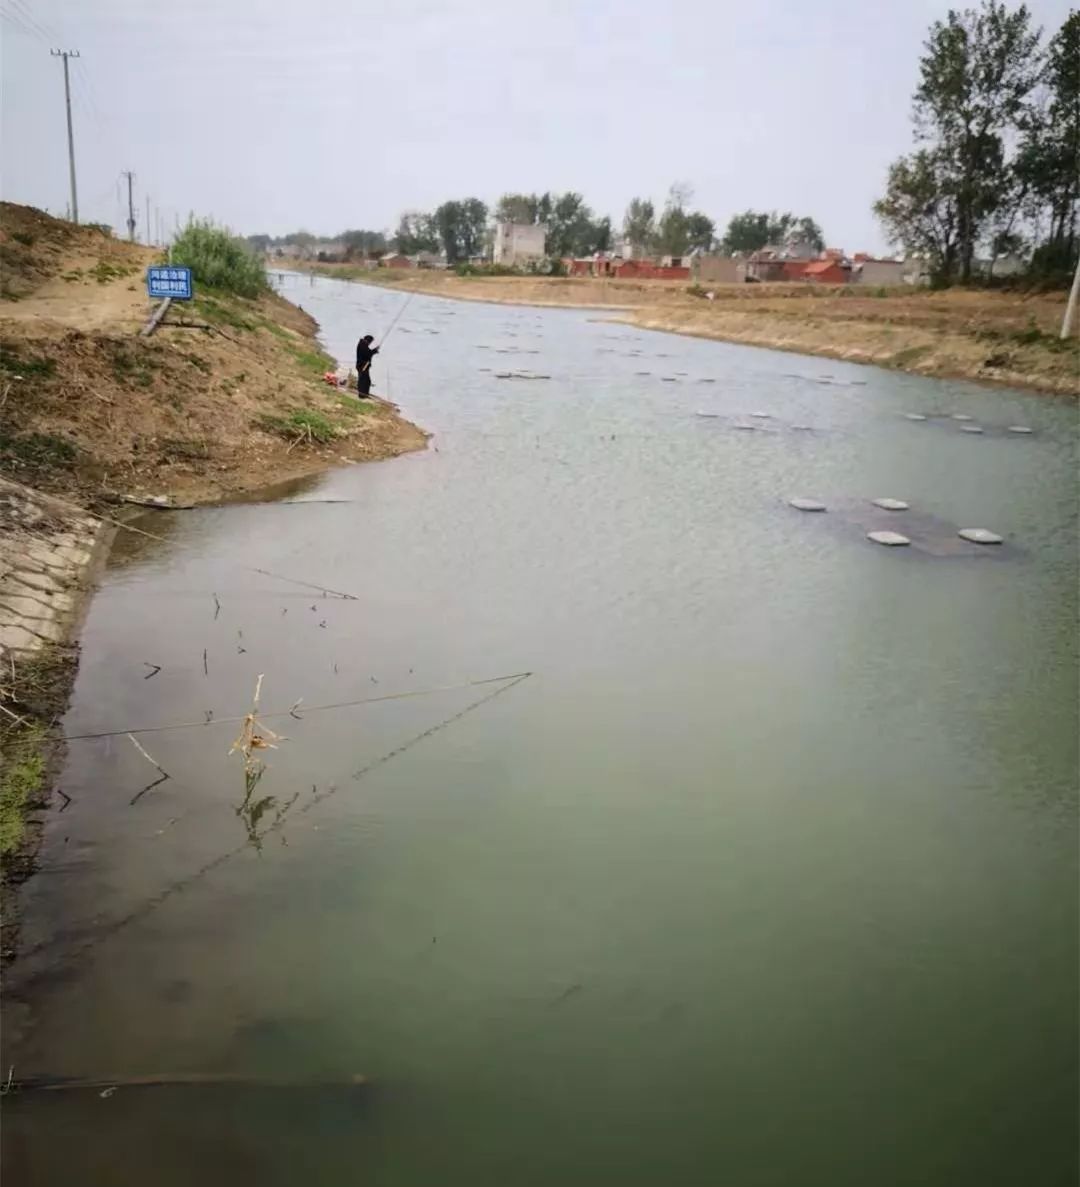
273,115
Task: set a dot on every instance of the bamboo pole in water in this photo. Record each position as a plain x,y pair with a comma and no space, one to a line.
175,1079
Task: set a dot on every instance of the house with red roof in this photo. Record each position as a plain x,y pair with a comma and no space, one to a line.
830,270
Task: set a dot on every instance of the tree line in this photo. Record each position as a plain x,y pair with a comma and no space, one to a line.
996,117
460,228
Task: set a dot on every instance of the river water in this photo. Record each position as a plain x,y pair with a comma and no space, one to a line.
765,876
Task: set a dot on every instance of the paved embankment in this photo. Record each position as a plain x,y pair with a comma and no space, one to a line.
46,547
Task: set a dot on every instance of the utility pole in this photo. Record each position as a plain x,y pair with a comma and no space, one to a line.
1070,308
131,206
65,54
148,238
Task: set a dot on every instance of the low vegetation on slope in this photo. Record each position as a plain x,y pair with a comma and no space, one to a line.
34,248
220,261
227,395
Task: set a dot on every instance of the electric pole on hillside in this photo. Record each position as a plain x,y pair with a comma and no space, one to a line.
131,206
1070,308
65,54
149,240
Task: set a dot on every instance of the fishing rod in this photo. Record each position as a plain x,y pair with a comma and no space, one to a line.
389,328
397,318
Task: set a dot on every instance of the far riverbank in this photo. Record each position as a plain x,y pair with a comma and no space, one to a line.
991,336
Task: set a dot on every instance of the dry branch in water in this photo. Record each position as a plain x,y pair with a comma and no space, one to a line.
253,737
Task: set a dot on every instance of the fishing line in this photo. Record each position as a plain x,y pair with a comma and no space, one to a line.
72,508
298,710
108,930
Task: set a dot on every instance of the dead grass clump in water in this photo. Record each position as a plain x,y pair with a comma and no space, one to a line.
254,737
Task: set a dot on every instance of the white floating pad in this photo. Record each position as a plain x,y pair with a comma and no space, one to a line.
802,428
806,504
961,416
889,539
890,504
1019,429
747,428
979,536
970,429
710,415
762,415
914,416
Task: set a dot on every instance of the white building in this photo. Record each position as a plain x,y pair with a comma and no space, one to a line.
518,243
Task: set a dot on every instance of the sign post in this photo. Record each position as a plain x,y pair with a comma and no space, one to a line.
169,280
167,284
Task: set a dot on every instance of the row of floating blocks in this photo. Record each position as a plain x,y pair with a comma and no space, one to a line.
897,539
965,427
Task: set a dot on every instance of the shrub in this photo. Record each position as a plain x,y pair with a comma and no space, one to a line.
219,259
299,425
486,270
38,451
23,772
13,362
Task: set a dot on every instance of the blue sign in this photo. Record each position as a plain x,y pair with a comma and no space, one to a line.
167,281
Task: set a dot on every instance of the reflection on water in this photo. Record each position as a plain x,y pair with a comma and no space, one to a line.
767,873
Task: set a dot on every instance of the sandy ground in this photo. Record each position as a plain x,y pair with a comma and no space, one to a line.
991,336
230,402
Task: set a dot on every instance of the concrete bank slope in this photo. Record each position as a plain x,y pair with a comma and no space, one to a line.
46,550
49,550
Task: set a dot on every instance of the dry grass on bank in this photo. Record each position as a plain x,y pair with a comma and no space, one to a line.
89,407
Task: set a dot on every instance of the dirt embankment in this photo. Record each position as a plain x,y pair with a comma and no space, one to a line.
226,396
987,335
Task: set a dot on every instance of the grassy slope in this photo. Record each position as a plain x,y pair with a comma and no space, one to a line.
89,407
34,696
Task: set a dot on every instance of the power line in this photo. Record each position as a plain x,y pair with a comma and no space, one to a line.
82,75
13,20
45,31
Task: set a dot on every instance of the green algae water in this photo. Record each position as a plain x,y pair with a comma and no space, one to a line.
767,875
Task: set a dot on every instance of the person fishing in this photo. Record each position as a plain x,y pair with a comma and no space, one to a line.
365,352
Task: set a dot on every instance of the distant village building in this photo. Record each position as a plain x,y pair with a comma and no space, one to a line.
516,244
868,269
327,249
773,264
779,264
605,265
318,249
798,247
717,269
1004,265
830,270
396,260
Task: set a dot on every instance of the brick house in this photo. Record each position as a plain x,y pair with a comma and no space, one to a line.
827,271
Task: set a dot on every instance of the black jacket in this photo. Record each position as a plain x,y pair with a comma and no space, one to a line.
364,355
